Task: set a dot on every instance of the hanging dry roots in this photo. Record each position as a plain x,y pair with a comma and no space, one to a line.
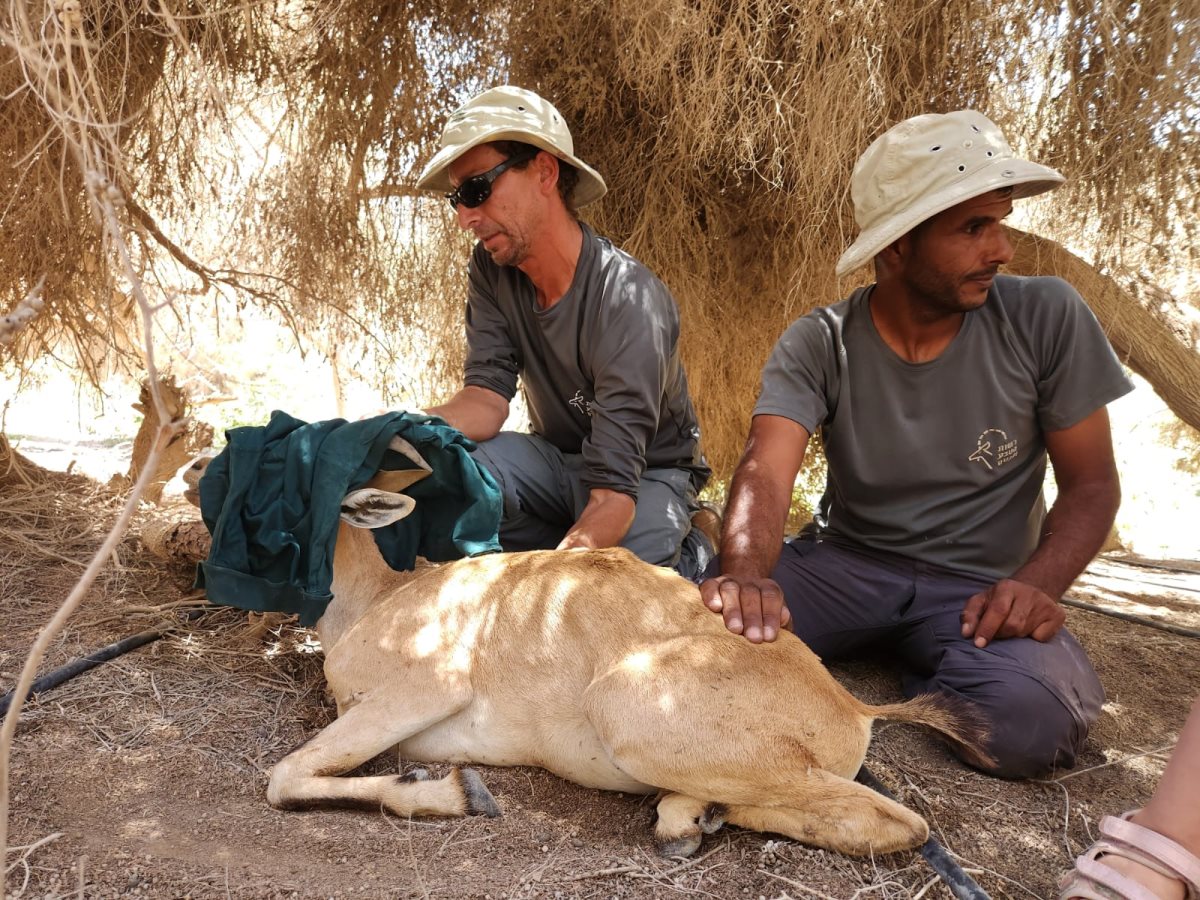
26,311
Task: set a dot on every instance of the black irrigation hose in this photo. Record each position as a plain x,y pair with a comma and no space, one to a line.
1130,617
961,885
103,655
96,657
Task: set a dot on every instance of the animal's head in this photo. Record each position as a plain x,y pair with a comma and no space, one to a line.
380,501
376,504
192,475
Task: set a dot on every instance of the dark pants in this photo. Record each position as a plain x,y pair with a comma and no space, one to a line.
544,495
1040,698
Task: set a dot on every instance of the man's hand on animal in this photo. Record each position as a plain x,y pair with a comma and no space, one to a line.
751,607
1011,609
752,604
604,521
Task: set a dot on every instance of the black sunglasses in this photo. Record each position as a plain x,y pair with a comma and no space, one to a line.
476,189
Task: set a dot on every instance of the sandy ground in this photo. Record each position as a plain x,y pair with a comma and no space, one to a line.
146,776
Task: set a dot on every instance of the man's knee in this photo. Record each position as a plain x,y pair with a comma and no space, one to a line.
657,534
1033,732
662,518
538,500
501,454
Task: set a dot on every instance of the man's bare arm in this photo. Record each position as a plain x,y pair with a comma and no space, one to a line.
1089,492
759,499
475,411
604,521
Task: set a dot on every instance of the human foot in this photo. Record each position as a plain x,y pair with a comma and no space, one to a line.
1132,862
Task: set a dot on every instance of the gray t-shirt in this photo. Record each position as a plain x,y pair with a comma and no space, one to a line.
600,368
944,461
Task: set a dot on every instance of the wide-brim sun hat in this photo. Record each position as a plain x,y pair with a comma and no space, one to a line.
509,113
925,165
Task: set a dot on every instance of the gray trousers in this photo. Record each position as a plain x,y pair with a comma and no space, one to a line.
1040,698
544,495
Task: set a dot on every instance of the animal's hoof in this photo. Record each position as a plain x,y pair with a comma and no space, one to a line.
712,818
480,801
684,845
415,775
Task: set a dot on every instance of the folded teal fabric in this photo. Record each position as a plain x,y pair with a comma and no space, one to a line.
271,500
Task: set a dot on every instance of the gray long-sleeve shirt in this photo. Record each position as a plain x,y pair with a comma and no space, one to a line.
600,368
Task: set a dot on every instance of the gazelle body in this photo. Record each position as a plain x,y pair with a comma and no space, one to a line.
601,668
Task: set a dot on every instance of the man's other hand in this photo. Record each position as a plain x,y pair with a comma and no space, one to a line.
604,522
1010,609
751,607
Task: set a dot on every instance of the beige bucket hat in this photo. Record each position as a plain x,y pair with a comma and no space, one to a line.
508,113
925,165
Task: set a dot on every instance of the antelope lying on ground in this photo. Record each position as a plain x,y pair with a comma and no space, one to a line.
601,668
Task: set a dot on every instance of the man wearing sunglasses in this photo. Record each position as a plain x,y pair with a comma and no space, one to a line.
940,392
614,457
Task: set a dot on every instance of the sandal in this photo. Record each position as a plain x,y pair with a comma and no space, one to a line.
1093,880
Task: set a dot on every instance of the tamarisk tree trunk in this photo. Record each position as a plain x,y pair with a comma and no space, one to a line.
1148,336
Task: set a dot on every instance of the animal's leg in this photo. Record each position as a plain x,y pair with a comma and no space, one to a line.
762,765
837,814
675,716
304,778
681,819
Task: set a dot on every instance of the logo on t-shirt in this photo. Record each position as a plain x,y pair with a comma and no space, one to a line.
581,403
994,449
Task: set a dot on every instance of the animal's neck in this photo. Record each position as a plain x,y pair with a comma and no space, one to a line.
359,574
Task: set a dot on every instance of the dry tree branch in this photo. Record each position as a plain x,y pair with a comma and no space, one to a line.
178,253
80,118
24,313
29,848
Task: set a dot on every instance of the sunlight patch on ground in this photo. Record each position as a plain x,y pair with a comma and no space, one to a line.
142,828
1150,765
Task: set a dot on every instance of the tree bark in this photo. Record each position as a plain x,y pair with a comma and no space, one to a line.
1157,344
177,535
183,446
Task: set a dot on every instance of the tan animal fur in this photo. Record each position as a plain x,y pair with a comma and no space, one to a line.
603,669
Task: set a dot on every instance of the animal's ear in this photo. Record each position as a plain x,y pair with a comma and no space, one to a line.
373,508
192,476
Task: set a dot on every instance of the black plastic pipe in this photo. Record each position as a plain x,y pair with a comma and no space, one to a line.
73,668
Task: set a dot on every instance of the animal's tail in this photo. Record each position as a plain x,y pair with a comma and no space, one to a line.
957,719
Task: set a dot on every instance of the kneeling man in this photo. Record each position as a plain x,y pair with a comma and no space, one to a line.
614,458
939,392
